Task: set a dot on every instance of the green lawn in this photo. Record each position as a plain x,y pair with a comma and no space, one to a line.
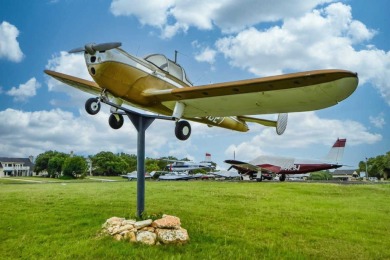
225,220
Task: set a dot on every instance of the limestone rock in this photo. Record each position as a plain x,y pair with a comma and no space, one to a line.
172,236
114,221
146,237
167,221
141,224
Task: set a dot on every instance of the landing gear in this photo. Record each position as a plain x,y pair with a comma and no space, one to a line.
92,106
115,121
260,178
182,130
282,178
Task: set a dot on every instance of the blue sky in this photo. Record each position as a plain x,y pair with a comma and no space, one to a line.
217,41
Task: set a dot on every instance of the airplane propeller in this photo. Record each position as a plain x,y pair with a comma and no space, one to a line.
91,48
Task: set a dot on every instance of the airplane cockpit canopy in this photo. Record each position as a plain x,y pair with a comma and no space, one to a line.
169,66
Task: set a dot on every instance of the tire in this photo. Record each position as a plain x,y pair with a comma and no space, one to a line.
183,130
282,178
115,121
92,106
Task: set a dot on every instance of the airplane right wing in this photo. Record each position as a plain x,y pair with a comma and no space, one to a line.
296,92
82,84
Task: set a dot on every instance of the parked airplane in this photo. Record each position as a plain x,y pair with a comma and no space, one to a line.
265,165
188,166
160,85
133,176
176,176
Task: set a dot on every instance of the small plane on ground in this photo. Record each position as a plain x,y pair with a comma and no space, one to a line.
189,166
265,166
161,86
133,176
176,176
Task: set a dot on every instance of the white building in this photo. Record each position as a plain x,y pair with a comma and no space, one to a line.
16,166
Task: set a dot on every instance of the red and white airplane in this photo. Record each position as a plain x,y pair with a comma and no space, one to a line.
265,165
161,86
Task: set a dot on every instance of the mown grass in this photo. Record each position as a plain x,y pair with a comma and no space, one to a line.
225,220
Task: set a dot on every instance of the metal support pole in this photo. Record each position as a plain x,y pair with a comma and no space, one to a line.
141,123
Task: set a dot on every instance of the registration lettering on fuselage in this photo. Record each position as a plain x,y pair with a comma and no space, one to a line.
215,119
293,168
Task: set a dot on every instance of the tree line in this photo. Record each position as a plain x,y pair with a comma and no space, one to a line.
378,166
57,164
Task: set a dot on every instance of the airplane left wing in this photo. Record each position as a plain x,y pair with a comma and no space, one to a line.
82,84
243,166
296,92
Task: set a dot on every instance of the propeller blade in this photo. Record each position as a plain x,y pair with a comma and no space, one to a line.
76,50
91,48
106,46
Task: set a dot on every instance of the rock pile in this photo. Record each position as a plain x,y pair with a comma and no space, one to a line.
166,230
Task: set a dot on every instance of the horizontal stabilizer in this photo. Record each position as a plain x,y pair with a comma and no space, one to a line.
280,124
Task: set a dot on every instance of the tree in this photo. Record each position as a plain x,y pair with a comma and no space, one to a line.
54,166
42,163
74,167
109,164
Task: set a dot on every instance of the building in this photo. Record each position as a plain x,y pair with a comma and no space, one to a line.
16,166
345,175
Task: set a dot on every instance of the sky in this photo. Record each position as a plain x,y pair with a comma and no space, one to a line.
217,41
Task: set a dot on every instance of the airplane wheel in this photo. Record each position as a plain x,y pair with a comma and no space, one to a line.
92,106
183,130
115,121
282,178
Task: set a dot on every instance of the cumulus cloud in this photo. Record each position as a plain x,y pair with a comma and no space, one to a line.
305,130
173,16
24,91
323,38
40,131
378,121
9,46
303,35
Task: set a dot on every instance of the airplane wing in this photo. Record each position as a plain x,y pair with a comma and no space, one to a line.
296,92
243,166
82,84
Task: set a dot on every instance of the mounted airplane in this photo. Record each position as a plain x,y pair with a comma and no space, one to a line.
264,166
161,86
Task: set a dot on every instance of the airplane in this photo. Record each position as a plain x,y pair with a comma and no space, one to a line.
189,166
133,176
265,166
161,86
176,176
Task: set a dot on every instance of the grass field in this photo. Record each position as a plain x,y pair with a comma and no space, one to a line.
225,220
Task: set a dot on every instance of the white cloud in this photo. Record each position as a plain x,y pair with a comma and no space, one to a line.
378,121
174,16
152,12
206,55
24,91
304,130
320,39
9,46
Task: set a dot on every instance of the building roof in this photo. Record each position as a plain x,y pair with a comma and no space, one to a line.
25,161
344,172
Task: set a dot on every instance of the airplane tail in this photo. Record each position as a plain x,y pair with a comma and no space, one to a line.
337,151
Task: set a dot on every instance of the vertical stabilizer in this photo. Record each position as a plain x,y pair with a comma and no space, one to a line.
207,157
337,151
